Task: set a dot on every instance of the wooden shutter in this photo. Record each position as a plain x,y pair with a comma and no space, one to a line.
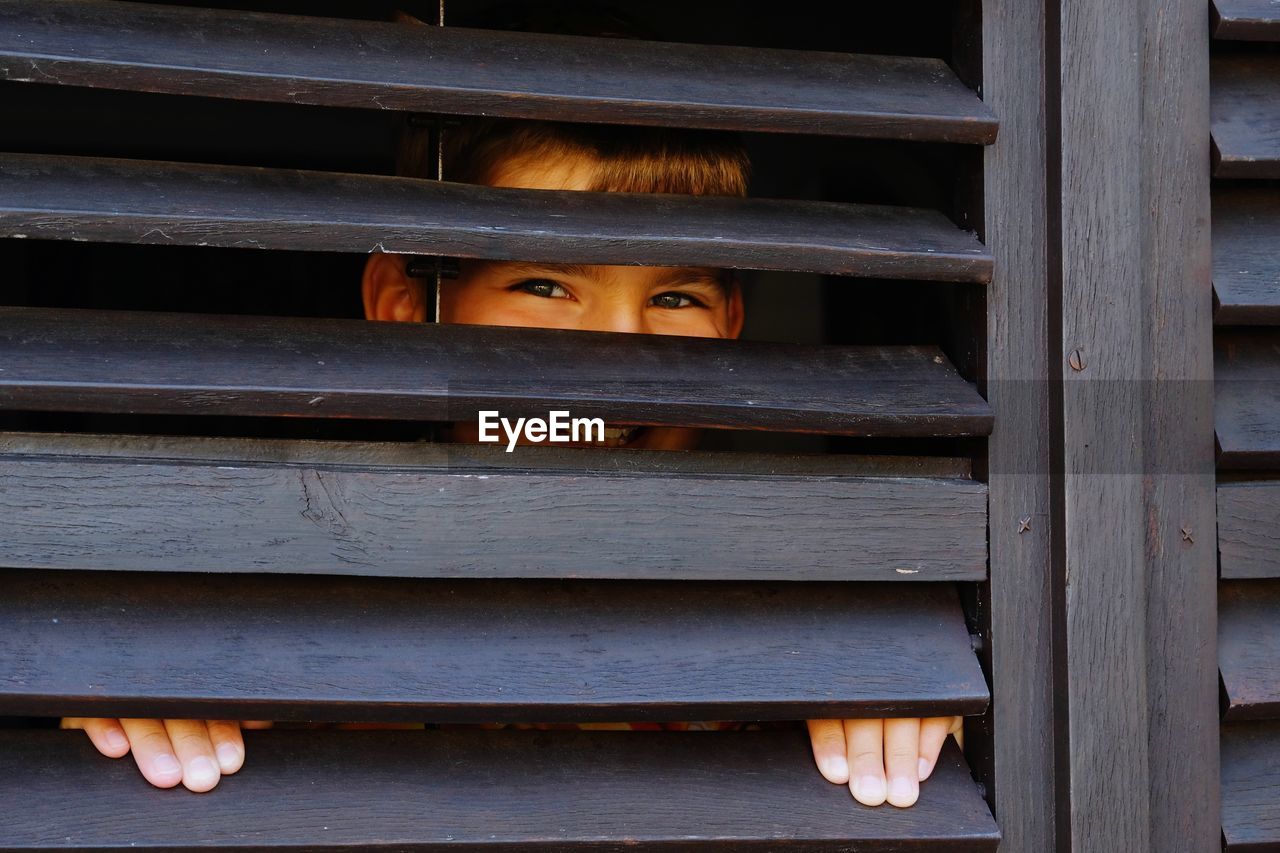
1246,277
182,576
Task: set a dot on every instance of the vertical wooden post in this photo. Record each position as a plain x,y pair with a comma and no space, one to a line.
1139,586
1020,613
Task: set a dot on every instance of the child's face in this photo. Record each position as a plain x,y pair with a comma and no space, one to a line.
688,301
649,300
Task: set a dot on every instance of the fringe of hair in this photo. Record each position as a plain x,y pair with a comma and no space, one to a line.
626,159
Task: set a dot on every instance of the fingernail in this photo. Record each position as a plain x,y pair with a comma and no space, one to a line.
201,771
166,764
116,739
870,790
924,769
228,755
838,767
902,791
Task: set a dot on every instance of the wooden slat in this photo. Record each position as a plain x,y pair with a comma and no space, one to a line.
392,66
1247,399
1251,787
532,792
1247,20
1134,635
138,201
1246,261
105,361
1021,730
1249,648
1249,529
105,503
1245,107
301,647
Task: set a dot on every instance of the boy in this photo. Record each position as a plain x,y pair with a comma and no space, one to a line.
880,760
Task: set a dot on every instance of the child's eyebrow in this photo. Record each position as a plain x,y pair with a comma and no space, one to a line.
575,270
690,275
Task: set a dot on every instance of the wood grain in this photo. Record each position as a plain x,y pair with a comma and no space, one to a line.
439,510
1246,115
1249,529
532,792
140,201
118,644
1246,20
1249,648
1016,198
157,363
1246,261
1136,363
1247,398
1251,787
308,60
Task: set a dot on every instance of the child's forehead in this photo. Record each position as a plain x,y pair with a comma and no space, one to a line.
604,272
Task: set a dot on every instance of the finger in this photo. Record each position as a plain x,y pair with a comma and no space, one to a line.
106,735
933,734
827,739
190,739
72,722
256,724
228,744
152,751
864,741
902,760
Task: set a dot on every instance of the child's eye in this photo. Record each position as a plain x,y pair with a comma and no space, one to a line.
672,299
543,287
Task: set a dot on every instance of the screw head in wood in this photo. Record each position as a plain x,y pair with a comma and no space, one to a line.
1076,360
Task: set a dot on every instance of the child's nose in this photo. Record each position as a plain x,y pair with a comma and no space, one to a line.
615,318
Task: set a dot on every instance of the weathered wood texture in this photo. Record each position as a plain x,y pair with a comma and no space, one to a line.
1249,529
1246,116
1141,680
119,644
1247,399
138,201
309,60
1019,592
420,510
1249,648
1251,787
1247,20
1246,255
156,363
533,792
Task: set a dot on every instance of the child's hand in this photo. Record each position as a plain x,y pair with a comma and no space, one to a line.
864,752
194,752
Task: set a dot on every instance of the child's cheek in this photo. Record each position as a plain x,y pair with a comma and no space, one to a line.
693,323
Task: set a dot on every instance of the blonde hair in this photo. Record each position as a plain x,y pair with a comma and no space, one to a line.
627,158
